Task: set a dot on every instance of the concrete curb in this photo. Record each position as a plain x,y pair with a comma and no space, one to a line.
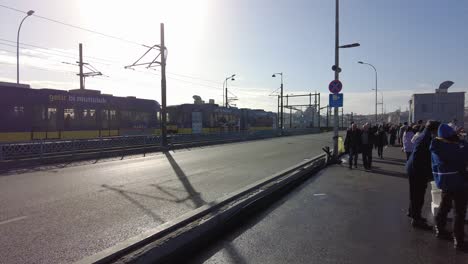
171,237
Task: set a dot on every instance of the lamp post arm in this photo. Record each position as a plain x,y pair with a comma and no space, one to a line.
17,49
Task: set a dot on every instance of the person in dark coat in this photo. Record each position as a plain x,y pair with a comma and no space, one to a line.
380,140
393,135
418,168
352,144
367,141
449,158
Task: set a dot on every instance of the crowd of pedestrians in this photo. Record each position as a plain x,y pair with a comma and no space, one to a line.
434,152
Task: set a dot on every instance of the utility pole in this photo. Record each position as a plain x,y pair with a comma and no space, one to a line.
91,71
226,96
319,115
342,117
153,63
278,115
163,90
80,64
281,129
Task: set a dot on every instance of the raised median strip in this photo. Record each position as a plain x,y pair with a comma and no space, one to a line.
174,238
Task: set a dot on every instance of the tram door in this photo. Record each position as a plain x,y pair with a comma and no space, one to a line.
197,122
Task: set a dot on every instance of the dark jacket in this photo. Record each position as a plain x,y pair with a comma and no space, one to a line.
448,164
381,138
353,139
418,165
370,139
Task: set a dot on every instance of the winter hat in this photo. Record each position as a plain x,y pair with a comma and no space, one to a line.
445,131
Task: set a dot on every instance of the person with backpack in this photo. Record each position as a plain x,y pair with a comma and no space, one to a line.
449,158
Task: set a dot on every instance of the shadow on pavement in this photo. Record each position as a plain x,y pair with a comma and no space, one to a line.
135,202
175,200
389,162
377,170
193,194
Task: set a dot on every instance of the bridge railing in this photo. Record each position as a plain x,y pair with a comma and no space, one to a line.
47,148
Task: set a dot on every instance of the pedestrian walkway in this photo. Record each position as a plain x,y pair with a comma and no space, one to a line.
338,216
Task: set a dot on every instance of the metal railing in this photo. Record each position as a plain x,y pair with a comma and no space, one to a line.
47,148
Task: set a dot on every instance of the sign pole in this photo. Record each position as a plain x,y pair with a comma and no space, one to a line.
335,129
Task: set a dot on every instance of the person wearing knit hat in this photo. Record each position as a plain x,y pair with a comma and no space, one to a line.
449,158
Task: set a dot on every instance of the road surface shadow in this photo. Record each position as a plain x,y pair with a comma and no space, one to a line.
378,170
193,194
174,200
135,202
389,162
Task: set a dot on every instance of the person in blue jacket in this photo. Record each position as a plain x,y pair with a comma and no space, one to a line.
418,168
449,158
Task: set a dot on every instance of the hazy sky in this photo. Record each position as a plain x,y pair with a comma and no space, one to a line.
415,46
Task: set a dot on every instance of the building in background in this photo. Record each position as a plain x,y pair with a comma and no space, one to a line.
441,105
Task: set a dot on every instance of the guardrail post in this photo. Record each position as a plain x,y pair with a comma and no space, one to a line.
100,146
42,149
144,146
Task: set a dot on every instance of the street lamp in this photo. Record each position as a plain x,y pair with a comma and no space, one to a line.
28,14
376,103
225,89
281,95
337,70
381,104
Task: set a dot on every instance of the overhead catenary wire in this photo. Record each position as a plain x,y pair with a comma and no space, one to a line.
68,53
34,56
104,35
41,68
76,27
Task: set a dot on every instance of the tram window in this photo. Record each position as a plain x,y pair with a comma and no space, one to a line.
68,118
105,118
18,111
104,114
89,113
113,115
52,117
69,114
51,113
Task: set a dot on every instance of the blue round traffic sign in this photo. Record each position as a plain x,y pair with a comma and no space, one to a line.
335,87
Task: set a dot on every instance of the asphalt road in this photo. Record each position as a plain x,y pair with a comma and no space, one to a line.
338,216
60,214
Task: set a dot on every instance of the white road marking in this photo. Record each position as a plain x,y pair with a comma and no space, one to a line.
319,194
13,220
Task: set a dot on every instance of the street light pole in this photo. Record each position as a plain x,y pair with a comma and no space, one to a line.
28,14
281,95
376,102
337,70
337,76
225,90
